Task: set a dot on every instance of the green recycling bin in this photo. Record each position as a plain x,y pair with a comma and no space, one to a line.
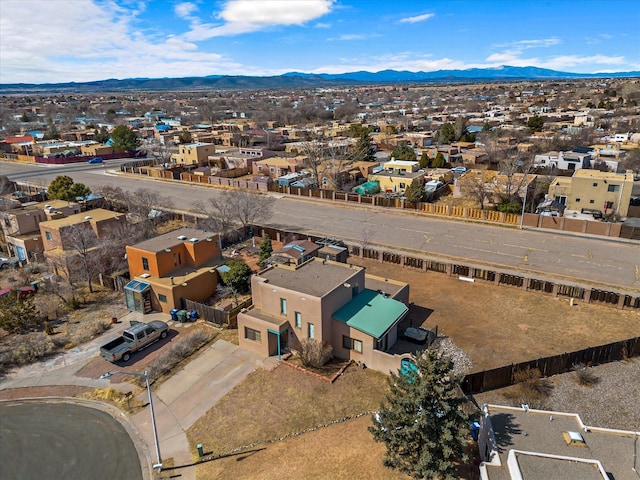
182,316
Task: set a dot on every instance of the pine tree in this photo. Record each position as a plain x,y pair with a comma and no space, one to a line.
364,150
266,249
421,422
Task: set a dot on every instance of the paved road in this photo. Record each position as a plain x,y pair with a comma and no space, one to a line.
41,440
592,260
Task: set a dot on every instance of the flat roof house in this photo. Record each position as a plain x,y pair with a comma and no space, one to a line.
327,301
165,269
21,226
527,444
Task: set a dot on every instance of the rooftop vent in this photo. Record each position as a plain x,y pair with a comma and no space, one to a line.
145,275
194,239
182,237
88,217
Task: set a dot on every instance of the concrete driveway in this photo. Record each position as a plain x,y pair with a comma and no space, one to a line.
189,394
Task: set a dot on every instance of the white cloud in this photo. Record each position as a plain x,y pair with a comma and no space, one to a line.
244,16
186,10
97,41
322,25
539,43
348,37
417,18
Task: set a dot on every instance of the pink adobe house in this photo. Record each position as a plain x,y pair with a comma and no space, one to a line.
328,301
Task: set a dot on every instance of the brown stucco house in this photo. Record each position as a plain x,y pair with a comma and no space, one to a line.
328,301
165,269
295,252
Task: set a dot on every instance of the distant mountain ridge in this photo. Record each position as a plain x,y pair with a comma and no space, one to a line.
310,80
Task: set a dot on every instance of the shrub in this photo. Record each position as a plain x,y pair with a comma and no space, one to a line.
110,394
584,375
530,389
313,353
181,350
27,349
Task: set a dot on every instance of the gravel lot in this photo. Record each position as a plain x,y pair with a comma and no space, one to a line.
612,403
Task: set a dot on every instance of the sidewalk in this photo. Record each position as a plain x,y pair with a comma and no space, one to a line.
185,397
178,402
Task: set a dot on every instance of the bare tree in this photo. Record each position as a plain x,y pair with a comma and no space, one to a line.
313,150
516,171
140,205
250,208
474,185
83,257
217,215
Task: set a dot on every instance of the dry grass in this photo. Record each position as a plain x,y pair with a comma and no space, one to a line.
116,397
497,326
269,405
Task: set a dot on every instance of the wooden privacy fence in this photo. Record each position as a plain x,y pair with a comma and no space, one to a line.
217,316
473,272
504,376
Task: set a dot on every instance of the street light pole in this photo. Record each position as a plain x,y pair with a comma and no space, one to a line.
158,465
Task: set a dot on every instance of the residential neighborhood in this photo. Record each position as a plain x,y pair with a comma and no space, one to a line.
274,233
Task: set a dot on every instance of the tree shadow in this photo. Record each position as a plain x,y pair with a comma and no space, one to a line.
504,428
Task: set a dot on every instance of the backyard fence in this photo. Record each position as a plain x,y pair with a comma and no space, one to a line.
501,377
217,316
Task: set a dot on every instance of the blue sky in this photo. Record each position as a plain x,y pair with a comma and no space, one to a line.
81,40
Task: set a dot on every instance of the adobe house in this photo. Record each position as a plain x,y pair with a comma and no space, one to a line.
328,301
296,252
520,443
21,226
165,269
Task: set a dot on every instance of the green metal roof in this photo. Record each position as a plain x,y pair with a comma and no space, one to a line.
371,313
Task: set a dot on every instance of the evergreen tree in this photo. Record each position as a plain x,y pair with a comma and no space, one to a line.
365,150
266,249
124,138
446,134
421,422
18,315
535,124
414,192
237,278
424,160
439,161
403,152
102,135
63,188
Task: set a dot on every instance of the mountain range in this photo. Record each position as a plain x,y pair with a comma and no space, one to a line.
308,80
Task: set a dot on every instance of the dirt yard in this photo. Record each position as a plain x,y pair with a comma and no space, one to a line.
498,325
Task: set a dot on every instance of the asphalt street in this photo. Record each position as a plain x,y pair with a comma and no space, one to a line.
41,440
594,260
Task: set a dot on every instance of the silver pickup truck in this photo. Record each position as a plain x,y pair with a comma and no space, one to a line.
134,338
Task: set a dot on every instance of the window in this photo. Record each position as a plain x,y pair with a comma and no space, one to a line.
251,334
312,331
283,306
272,170
259,168
592,201
402,185
595,184
577,200
298,320
352,344
145,263
561,199
162,298
48,235
613,188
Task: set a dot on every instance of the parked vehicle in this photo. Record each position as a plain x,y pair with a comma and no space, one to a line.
4,263
134,338
459,170
95,160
